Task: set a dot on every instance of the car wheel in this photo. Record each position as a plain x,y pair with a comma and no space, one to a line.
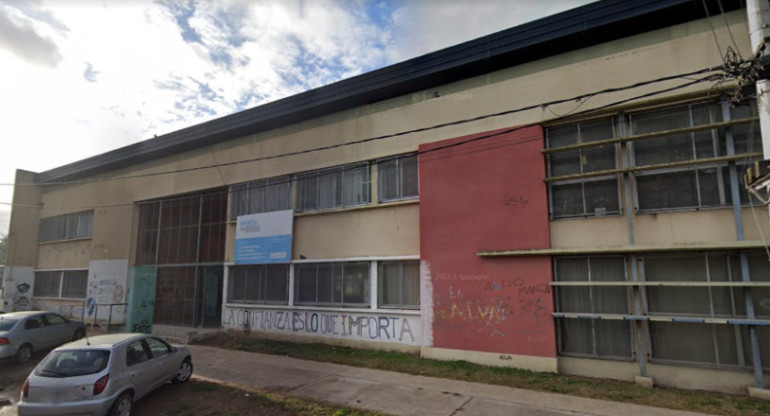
122,406
24,353
79,333
184,373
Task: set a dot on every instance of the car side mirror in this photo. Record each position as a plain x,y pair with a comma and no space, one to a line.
174,349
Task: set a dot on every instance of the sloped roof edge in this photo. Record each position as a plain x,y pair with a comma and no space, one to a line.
588,25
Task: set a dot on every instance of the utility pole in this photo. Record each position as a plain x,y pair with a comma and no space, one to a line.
757,178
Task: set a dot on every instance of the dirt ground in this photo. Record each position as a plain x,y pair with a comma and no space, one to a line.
194,398
202,398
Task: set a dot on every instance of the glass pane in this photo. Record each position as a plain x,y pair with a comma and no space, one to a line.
411,283
330,189
711,187
307,191
613,338
356,283
667,190
306,283
278,194
277,285
47,284
576,336
663,150
390,278
409,176
387,179
682,342
567,200
75,284
602,197
562,136
355,185
326,287
564,163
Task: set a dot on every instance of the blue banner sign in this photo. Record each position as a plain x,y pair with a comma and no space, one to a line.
264,238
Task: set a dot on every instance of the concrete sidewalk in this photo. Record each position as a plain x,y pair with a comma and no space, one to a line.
395,393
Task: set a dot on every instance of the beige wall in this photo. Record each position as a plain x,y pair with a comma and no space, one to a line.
674,50
735,382
25,219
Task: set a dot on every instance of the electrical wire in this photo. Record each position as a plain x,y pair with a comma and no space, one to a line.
692,82
404,133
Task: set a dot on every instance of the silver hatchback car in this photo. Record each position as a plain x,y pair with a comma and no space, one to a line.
102,375
22,333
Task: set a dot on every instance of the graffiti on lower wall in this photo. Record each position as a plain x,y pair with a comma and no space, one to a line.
370,327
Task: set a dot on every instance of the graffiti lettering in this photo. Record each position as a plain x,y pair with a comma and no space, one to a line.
504,284
515,201
367,327
531,290
505,357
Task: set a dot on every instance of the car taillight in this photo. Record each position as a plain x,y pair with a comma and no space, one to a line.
5,341
25,389
101,384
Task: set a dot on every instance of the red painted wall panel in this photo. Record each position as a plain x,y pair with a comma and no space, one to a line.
486,192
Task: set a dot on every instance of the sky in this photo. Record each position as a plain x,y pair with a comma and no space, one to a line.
79,78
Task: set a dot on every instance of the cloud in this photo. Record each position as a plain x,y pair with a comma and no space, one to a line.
19,35
89,74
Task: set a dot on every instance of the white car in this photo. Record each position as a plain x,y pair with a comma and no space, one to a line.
102,375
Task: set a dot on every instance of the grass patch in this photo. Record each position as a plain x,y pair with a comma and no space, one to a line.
698,401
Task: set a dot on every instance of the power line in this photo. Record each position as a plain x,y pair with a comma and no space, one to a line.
393,135
712,77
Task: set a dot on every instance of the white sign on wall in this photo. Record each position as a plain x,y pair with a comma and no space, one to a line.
264,238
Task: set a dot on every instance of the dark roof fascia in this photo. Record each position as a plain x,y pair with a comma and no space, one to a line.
581,27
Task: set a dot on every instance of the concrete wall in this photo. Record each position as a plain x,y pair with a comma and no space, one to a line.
396,330
487,195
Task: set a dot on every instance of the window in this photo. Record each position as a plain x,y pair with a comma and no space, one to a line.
135,353
669,167
61,284
333,188
332,284
157,347
273,194
399,284
397,178
595,196
592,337
66,227
183,230
259,284
693,186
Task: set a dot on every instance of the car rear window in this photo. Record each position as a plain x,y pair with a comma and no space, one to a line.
7,324
71,363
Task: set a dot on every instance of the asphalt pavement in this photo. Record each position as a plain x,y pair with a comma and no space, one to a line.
394,393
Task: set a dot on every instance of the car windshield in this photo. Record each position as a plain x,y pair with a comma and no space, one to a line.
71,363
7,324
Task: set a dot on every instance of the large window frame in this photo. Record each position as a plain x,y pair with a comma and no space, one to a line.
398,178
578,197
340,284
587,337
266,284
674,157
66,227
677,300
264,195
398,284
61,284
332,188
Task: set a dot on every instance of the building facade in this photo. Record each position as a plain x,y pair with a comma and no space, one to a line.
562,196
